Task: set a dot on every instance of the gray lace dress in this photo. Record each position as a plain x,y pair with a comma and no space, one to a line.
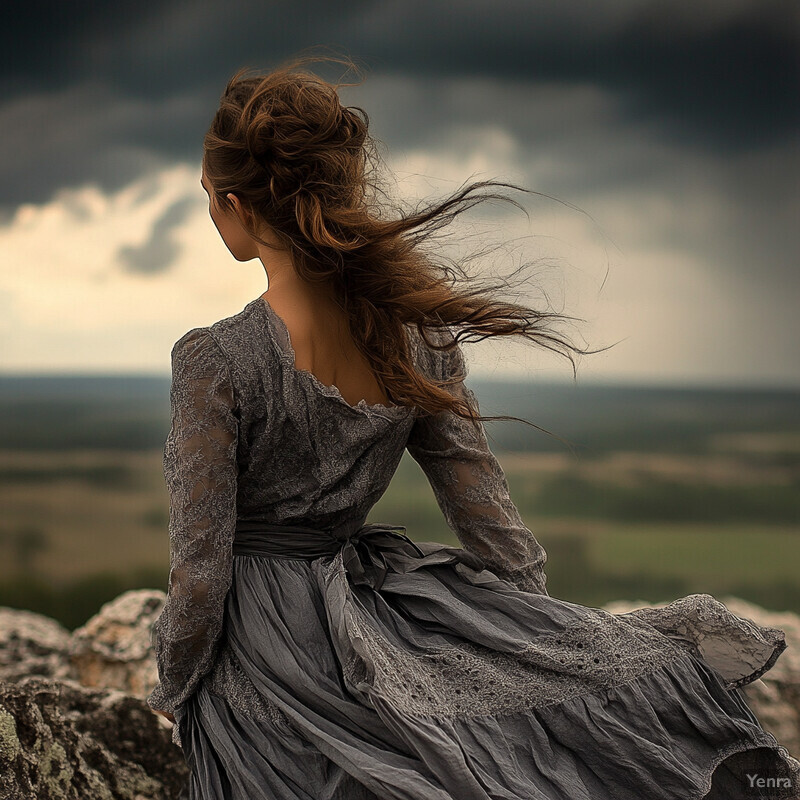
451,674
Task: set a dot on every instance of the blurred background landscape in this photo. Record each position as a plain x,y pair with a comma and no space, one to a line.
660,143
661,492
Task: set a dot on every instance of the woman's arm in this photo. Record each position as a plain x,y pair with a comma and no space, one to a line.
201,475
471,488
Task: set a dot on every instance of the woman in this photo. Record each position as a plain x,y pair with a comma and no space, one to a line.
303,653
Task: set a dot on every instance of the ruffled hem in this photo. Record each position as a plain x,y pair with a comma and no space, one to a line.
454,685
778,647
738,648
659,736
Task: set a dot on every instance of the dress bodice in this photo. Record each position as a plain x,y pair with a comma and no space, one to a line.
252,437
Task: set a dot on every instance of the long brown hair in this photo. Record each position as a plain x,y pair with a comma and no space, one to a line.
305,165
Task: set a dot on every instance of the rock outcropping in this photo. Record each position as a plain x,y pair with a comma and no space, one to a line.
59,739
74,724
73,721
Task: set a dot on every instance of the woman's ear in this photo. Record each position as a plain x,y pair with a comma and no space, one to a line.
245,218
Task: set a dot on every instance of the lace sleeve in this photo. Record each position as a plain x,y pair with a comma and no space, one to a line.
201,474
471,488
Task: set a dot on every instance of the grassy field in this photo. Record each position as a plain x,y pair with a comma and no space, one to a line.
87,512
635,514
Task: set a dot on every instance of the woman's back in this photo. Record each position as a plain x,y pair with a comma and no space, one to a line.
302,451
319,338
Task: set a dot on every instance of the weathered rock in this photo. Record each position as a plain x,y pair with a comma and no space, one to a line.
112,650
62,741
775,697
32,644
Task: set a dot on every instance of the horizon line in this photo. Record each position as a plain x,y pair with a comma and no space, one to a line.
614,381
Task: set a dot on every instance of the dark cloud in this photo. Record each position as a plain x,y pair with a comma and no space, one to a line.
88,134
104,92
160,250
724,77
693,101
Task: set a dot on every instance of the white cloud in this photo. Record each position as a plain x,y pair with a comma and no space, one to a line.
71,305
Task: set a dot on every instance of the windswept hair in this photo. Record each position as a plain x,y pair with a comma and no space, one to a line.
304,164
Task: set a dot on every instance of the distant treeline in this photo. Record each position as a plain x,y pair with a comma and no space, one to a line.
120,412
655,498
132,413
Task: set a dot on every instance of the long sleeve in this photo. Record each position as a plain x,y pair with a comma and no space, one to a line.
201,475
471,488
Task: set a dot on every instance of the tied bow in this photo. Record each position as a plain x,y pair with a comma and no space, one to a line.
368,553
376,548
364,552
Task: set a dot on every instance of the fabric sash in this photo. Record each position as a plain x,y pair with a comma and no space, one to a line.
369,552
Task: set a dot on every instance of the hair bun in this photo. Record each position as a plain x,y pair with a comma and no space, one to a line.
260,140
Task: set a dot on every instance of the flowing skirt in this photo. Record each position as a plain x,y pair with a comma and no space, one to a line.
447,683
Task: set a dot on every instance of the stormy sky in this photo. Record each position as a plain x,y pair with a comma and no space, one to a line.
664,132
